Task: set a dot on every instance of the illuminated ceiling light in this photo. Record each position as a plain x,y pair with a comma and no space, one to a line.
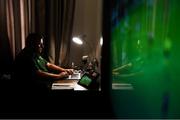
77,40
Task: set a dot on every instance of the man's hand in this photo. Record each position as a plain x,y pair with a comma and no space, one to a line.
63,75
69,71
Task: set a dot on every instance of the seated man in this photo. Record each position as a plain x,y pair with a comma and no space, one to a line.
32,71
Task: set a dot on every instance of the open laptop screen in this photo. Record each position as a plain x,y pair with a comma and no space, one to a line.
85,81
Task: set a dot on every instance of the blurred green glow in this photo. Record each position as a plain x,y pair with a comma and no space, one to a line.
148,37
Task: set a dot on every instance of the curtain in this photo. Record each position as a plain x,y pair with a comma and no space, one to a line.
24,17
5,53
17,24
52,18
60,21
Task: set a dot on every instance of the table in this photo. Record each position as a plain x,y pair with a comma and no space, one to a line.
67,85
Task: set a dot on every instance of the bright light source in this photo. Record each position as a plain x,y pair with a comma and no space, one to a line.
138,42
101,41
77,40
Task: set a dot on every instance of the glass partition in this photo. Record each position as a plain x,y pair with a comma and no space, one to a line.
145,57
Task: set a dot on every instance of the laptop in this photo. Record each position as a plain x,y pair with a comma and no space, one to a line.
88,81
85,81
74,76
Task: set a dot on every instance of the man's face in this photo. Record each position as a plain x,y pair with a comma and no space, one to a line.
40,46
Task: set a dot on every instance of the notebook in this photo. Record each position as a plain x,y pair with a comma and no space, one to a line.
62,86
68,86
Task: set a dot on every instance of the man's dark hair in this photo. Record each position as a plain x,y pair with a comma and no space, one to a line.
33,39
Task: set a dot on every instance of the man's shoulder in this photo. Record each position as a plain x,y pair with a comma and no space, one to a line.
23,56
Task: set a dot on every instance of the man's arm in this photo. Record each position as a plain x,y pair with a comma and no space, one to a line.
55,67
51,75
